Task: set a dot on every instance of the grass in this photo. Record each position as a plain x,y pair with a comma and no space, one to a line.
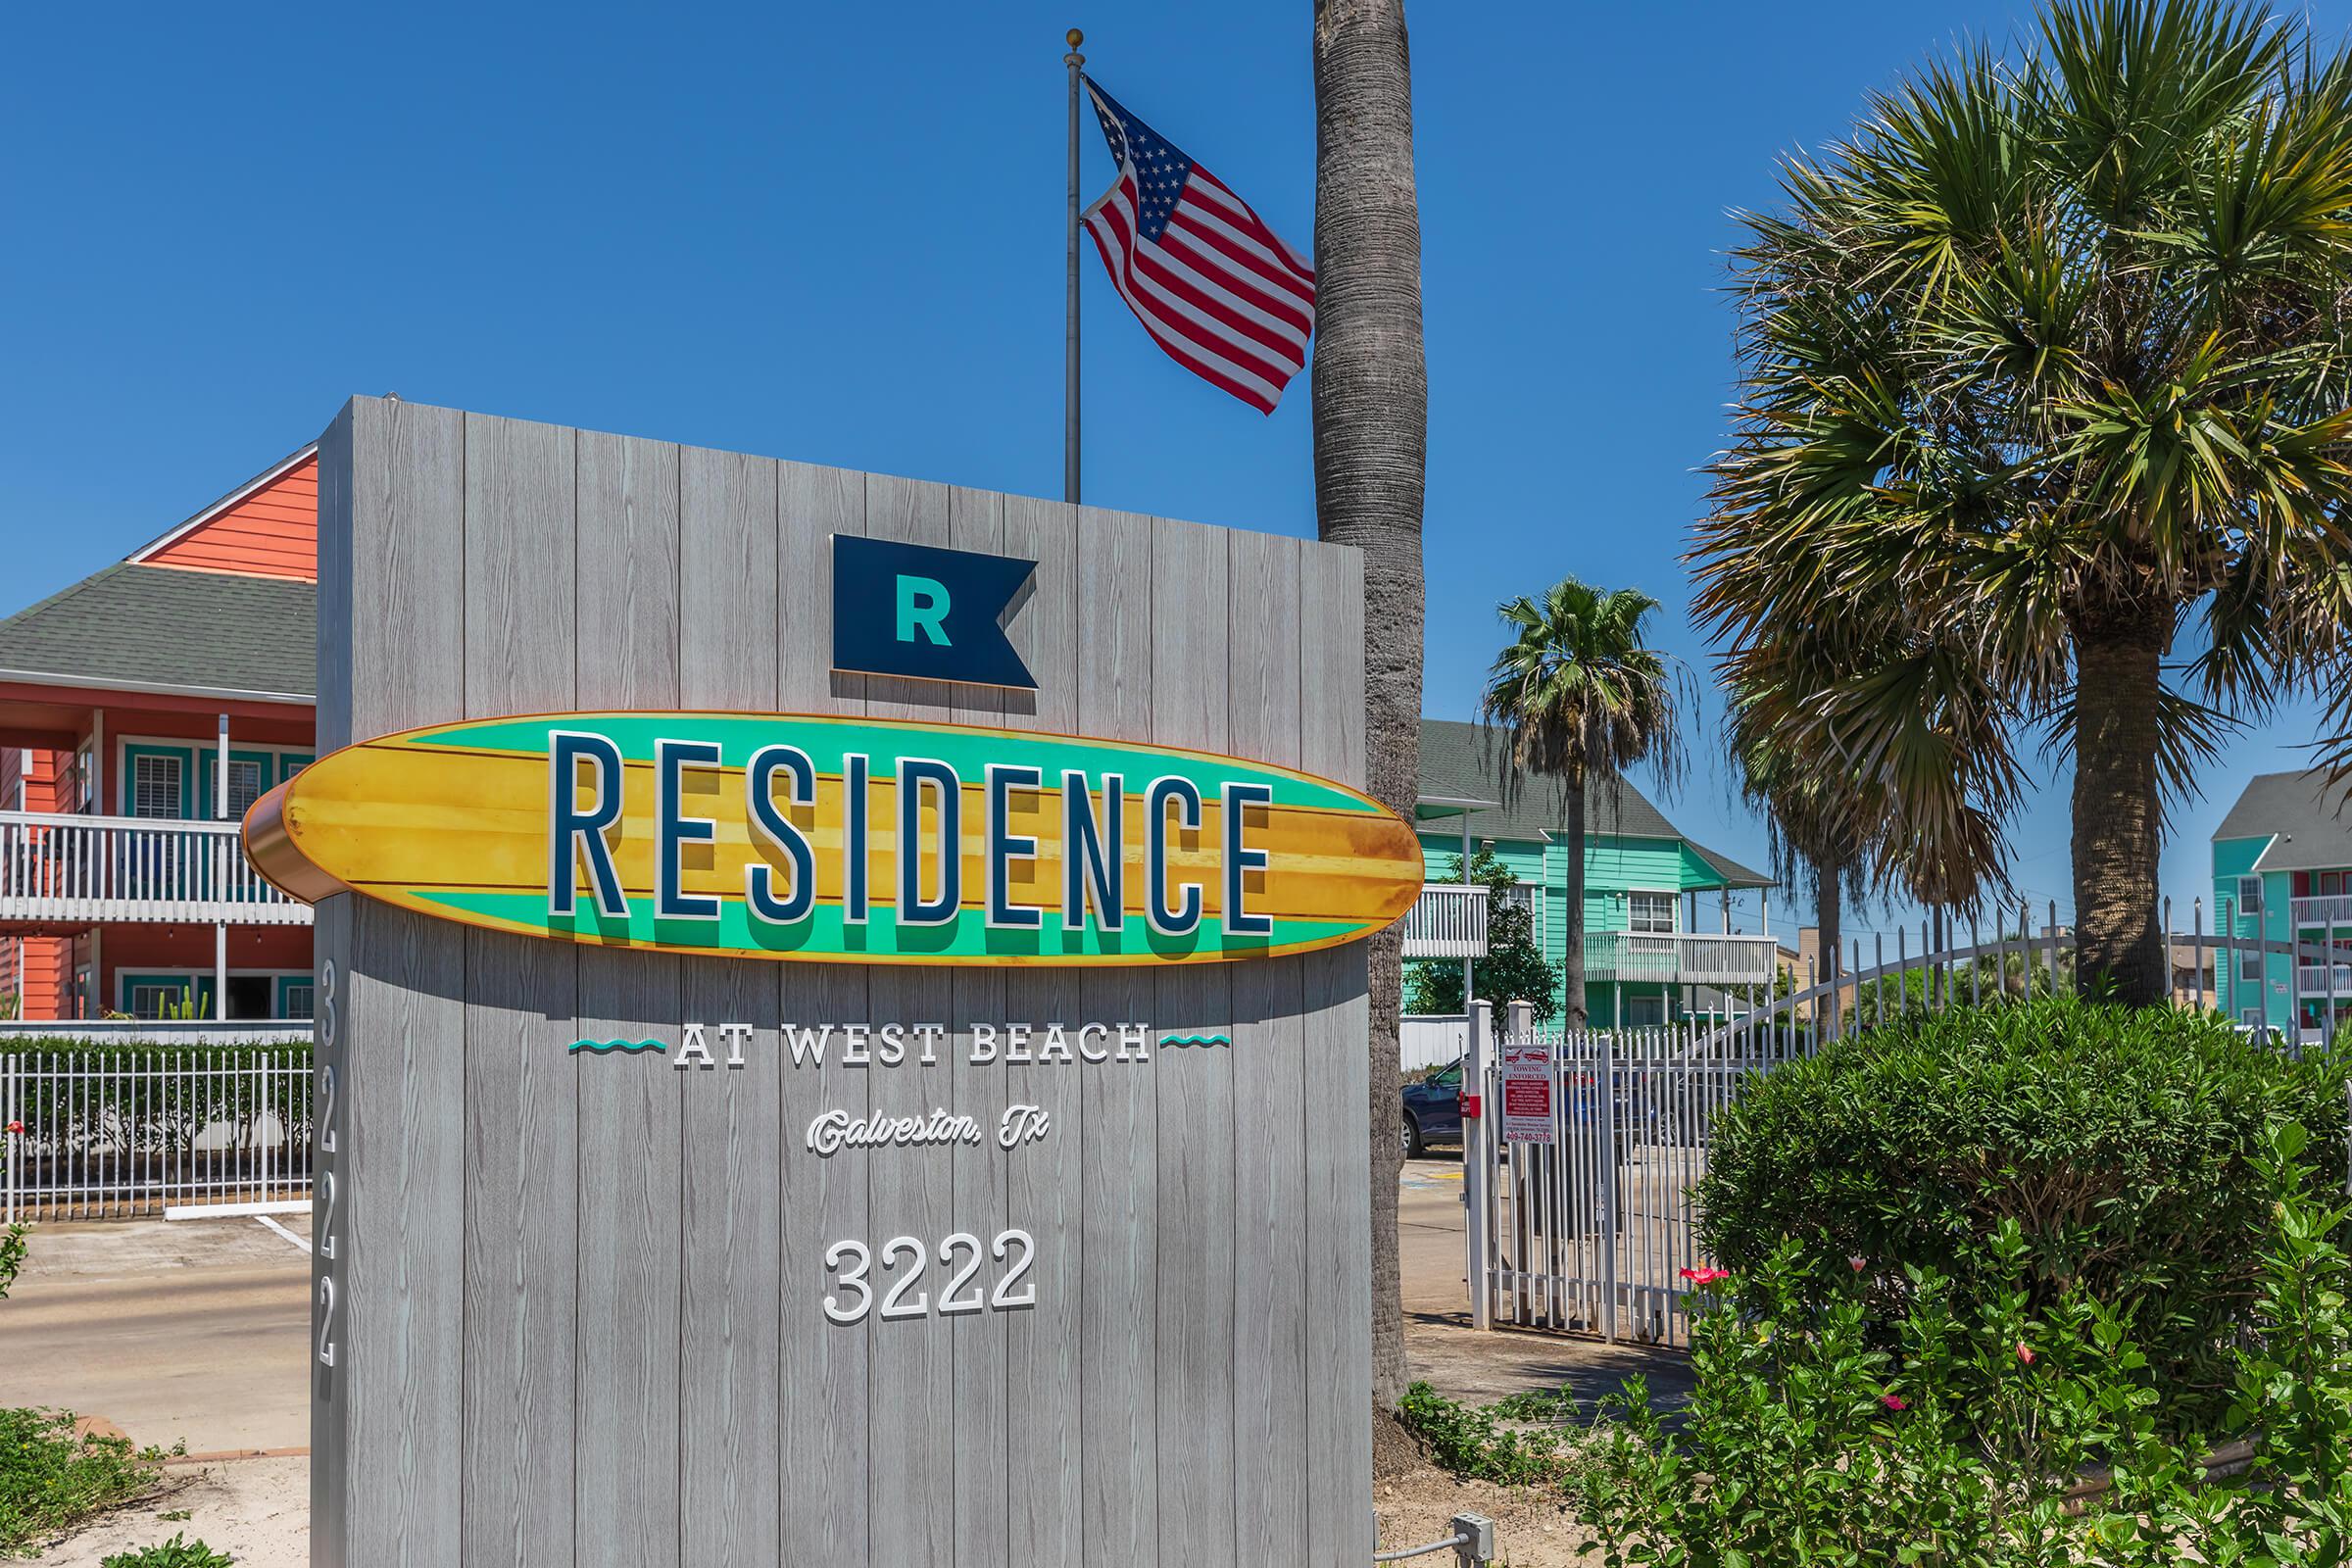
178,1552
52,1478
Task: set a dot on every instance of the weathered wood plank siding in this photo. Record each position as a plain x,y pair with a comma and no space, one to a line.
578,1296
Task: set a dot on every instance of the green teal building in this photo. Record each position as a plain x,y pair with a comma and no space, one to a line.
2283,872
1659,943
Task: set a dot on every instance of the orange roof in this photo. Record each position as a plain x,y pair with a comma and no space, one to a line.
266,527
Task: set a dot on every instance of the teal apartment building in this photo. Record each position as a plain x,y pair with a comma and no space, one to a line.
1657,941
2283,871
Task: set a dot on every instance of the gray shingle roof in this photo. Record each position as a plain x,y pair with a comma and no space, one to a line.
163,626
2308,823
1464,761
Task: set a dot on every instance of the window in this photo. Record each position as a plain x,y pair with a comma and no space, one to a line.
2331,883
1528,895
244,786
2251,1015
155,788
1649,911
157,1000
2249,895
298,999
2249,967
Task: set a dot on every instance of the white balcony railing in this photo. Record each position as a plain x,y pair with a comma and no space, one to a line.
91,868
2328,908
1447,921
2311,979
1680,958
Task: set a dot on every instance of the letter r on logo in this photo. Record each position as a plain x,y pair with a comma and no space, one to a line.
922,603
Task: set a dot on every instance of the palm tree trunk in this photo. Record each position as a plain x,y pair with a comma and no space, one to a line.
1371,387
1572,955
1828,879
2119,834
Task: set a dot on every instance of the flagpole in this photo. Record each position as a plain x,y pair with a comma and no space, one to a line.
1070,370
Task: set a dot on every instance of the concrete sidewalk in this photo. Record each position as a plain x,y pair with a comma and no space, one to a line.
1441,1348
191,1332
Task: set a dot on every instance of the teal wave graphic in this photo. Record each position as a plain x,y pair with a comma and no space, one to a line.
607,1047
1166,1041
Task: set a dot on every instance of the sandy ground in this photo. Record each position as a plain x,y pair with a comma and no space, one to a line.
257,1511
196,1333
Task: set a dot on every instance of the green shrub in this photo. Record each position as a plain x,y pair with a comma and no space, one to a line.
2124,1146
172,1554
1971,1440
1472,1441
51,1478
71,1093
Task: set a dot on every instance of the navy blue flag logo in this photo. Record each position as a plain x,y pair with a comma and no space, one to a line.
925,612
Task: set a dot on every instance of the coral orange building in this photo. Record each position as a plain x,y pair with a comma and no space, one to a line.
141,710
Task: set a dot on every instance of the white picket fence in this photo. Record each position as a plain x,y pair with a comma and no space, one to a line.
111,1134
1590,1228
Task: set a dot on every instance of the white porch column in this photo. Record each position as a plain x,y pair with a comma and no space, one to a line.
1469,989
99,771
221,879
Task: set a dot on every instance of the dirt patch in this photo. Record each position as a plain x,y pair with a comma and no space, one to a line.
257,1511
1532,1529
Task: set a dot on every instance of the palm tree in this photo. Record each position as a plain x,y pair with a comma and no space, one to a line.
1371,387
1816,840
1578,696
2045,366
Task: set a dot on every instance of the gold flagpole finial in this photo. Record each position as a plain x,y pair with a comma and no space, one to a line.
1076,39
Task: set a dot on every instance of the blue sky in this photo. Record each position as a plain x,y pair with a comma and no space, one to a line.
799,232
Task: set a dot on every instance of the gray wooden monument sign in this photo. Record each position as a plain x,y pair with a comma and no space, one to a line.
591,1306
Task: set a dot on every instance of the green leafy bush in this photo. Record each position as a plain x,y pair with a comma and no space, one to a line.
2121,1145
1992,1435
51,1478
1473,1441
72,1093
174,1553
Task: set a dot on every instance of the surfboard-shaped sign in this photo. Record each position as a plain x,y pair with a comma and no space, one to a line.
842,840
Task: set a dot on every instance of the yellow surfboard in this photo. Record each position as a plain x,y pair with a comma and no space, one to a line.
842,840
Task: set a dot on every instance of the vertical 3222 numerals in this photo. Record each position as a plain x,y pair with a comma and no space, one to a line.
902,1260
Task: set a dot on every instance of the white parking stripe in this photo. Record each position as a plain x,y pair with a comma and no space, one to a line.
265,1219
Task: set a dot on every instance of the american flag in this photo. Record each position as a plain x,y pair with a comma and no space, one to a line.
1214,285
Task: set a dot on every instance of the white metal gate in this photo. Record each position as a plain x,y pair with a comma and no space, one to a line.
1591,1226
110,1133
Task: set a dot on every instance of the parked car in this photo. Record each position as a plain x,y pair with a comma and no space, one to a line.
1433,1111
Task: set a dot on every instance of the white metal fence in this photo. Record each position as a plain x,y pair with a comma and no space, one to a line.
1590,1225
93,1133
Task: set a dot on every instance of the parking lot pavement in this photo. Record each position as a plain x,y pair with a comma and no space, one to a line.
192,1331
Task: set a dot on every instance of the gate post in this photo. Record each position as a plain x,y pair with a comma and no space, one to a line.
1605,1156
1478,1166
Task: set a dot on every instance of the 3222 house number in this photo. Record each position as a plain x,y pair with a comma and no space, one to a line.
902,1260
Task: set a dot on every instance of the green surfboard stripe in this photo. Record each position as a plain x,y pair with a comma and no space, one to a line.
823,933
740,735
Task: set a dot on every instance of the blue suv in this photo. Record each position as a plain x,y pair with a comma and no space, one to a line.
1433,1111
